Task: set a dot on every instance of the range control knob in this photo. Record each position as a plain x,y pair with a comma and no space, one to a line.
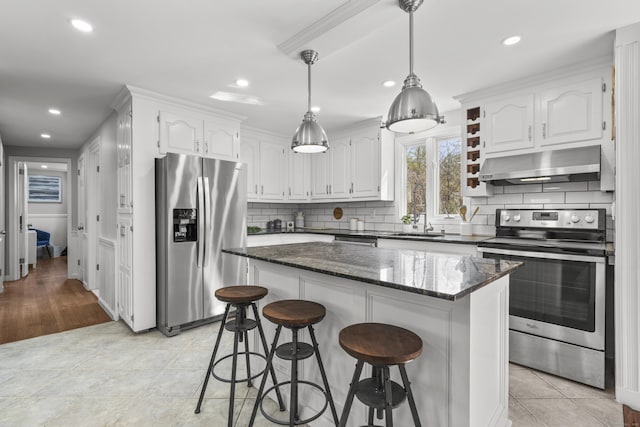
589,219
516,218
575,219
506,218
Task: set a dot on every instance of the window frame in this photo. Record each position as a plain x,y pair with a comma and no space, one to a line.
429,139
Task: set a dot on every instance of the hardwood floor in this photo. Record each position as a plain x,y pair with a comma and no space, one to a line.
46,302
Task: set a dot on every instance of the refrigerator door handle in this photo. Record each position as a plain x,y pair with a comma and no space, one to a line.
200,213
208,218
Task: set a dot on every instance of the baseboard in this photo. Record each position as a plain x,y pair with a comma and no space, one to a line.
107,309
628,397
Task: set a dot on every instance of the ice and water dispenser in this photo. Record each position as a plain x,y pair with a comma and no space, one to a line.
185,225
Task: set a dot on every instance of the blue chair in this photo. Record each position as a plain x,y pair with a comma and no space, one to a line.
42,238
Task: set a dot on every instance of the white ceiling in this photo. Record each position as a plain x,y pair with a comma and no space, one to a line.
191,49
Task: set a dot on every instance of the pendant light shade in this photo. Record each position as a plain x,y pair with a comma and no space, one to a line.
413,110
309,137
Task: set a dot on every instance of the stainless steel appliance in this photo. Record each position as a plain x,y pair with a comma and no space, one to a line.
200,209
557,299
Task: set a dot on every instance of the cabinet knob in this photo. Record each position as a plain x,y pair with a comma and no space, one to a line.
544,129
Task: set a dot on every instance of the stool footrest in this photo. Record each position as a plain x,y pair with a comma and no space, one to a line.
285,351
298,421
242,380
371,395
237,325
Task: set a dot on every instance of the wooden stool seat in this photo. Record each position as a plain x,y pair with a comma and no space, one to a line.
380,344
241,294
294,313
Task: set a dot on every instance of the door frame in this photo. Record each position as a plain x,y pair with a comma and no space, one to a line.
12,211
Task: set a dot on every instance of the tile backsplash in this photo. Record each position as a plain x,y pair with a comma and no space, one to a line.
384,216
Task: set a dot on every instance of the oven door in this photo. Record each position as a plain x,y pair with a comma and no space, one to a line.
557,296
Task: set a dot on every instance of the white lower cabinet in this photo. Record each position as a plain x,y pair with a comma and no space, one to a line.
125,271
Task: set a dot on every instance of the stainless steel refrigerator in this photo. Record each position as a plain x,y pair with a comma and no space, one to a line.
201,207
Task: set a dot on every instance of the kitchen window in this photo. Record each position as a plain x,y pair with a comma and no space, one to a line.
430,180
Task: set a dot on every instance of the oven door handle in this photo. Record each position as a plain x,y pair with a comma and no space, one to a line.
562,257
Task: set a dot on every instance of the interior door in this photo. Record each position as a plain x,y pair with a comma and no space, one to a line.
82,219
2,213
23,217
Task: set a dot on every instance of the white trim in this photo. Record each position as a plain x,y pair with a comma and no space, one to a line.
48,215
627,232
12,226
429,138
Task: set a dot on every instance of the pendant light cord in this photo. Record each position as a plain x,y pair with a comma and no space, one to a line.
410,43
309,87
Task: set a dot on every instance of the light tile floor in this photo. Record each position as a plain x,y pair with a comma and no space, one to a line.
104,375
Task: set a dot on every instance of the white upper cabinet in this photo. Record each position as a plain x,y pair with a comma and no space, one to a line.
365,154
340,182
180,134
198,134
221,140
321,172
508,124
250,154
266,161
273,167
571,113
124,153
299,176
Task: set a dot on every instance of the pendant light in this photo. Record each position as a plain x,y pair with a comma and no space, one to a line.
413,110
309,137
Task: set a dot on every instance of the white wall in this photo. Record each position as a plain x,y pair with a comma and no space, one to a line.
51,217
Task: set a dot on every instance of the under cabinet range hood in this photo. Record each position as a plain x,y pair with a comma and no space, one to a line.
573,164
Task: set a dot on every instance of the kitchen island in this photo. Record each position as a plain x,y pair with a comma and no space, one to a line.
457,304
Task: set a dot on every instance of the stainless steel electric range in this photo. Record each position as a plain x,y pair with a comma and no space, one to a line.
557,299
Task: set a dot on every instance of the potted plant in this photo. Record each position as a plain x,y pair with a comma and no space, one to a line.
406,223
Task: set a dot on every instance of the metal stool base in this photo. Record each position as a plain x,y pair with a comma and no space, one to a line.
298,421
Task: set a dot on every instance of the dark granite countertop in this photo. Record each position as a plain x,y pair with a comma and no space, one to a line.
395,235
437,275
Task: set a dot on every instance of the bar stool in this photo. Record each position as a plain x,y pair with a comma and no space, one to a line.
239,297
294,315
381,346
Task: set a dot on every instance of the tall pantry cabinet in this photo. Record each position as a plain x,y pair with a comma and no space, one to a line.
148,126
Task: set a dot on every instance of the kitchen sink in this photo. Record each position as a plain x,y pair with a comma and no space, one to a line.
430,235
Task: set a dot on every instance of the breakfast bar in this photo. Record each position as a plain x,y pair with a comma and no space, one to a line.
457,304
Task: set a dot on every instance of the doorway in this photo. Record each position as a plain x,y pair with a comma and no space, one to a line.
46,205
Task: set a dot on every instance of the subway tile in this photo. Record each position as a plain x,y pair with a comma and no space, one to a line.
385,227
478,201
503,199
524,188
606,206
566,205
543,197
565,186
498,190
525,206
489,209
589,197
268,211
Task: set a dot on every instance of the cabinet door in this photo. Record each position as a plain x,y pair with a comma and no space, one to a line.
250,154
125,271
365,165
180,134
220,140
298,176
340,182
125,197
571,113
320,175
508,124
273,169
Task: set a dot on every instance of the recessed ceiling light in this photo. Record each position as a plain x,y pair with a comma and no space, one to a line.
510,41
389,83
237,97
45,135
44,166
54,111
242,83
315,108
81,25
